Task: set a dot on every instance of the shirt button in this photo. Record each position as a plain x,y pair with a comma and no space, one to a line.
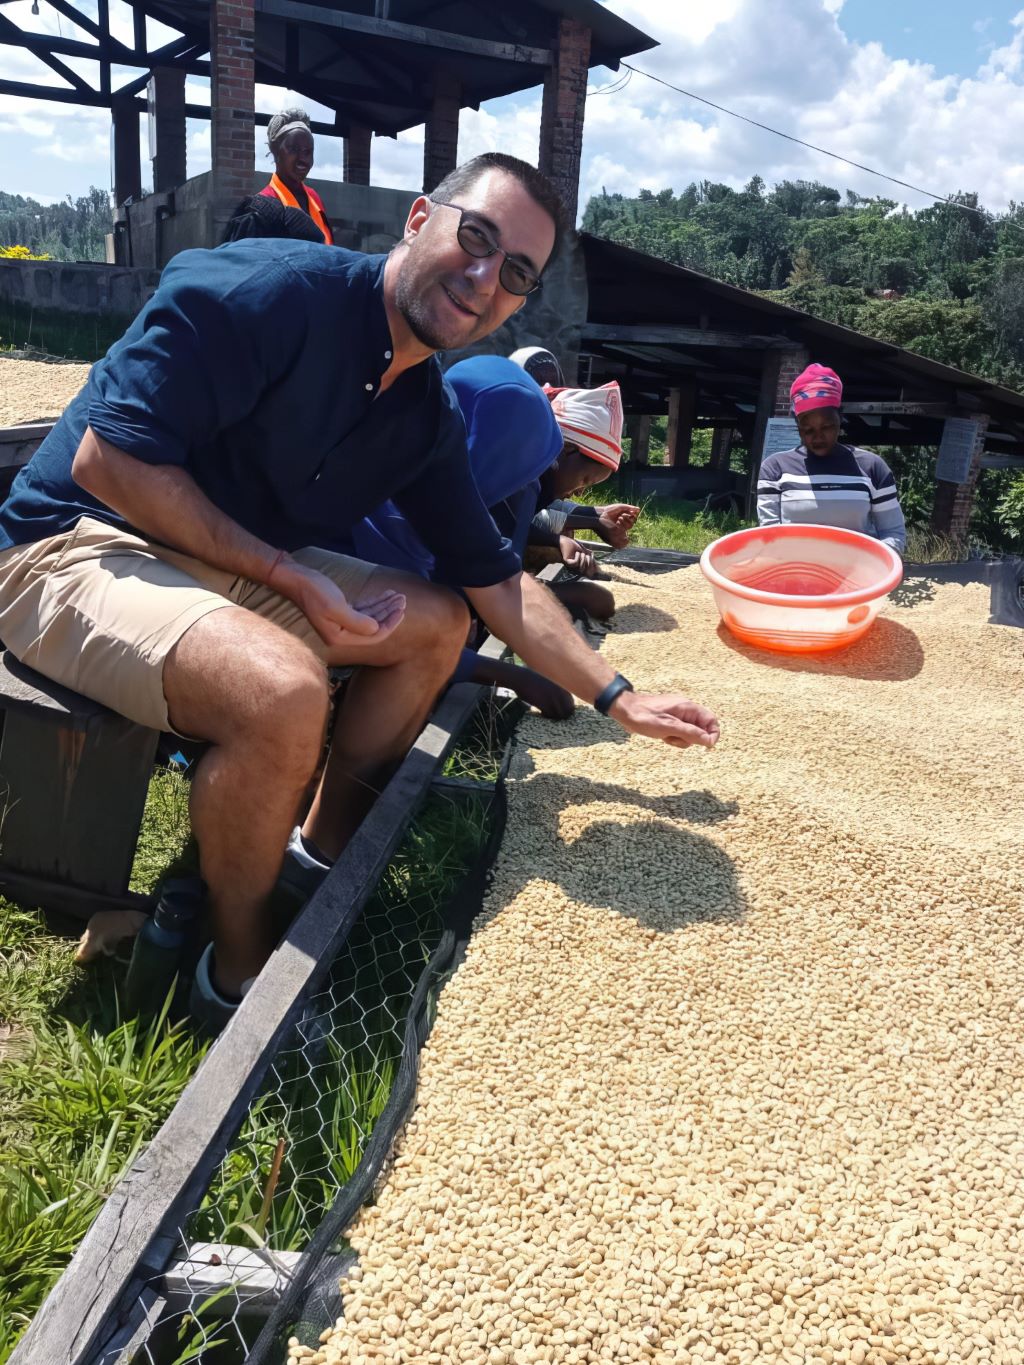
369,388
387,355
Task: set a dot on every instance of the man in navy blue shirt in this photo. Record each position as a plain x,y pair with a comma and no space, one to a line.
170,550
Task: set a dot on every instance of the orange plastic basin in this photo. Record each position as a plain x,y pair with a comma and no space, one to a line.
800,589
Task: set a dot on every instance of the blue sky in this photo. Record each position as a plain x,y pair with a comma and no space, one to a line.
931,91
953,35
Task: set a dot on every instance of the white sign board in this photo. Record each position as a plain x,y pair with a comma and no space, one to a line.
959,438
780,433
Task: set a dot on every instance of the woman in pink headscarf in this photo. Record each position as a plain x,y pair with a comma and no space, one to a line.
822,481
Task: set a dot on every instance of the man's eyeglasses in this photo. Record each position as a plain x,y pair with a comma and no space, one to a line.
475,240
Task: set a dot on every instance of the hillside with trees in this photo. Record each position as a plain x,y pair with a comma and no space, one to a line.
945,281
69,230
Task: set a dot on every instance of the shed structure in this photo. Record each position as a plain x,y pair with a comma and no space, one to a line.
381,67
713,355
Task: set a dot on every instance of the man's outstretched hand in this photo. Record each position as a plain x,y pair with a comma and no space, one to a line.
329,612
675,720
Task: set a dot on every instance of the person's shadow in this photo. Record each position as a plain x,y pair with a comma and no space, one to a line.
889,652
658,869
637,618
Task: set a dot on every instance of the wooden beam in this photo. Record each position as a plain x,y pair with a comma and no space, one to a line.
651,333
255,1276
42,50
404,33
898,409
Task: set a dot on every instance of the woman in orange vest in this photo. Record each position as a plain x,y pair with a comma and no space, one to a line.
291,145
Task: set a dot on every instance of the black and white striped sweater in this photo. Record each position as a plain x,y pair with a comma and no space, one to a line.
849,487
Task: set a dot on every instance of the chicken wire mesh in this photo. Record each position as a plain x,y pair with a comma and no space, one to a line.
259,1234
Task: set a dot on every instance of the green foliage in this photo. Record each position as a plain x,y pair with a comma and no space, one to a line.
958,274
1010,510
70,230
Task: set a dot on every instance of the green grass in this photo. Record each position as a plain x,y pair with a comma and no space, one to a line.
54,332
82,1090
677,524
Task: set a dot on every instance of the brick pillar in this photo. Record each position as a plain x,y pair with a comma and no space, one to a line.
792,362
778,370
127,157
441,146
954,502
721,447
167,127
681,404
356,156
561,117
232,94
639,431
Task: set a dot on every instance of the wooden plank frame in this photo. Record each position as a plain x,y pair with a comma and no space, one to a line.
135,1233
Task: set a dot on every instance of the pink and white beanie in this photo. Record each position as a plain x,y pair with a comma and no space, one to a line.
817,387
592,420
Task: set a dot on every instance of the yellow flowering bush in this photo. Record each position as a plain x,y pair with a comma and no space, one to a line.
20,253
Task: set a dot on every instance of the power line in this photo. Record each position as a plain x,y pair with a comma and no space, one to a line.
619,84
905,184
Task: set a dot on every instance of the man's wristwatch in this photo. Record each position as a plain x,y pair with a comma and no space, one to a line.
604,699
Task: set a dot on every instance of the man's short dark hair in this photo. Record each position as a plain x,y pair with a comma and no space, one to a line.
534,182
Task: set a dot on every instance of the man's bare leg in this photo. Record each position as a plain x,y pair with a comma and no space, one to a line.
385,705
260,696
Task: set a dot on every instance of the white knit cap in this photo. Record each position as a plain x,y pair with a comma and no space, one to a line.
592,420
539,363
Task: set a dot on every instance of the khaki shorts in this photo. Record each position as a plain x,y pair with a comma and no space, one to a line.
99,609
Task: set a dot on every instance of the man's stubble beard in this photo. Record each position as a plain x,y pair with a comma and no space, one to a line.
411,303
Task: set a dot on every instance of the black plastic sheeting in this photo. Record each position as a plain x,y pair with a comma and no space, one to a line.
311,1302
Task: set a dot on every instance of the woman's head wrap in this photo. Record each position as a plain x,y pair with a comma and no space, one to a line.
817,387
540,364
592,420
287,121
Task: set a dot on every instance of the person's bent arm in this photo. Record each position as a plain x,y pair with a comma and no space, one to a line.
524,614
886,512
165,503
769,494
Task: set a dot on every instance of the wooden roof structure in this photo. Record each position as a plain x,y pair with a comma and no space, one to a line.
651,325
371,61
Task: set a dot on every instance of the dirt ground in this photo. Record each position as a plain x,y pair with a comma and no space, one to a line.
36,391
733,1068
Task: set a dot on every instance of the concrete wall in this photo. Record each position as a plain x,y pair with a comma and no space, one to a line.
150,232
366,218
77,287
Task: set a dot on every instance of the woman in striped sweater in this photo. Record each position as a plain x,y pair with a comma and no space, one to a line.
824,482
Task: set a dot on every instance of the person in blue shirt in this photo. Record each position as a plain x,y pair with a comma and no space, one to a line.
513,439
173,547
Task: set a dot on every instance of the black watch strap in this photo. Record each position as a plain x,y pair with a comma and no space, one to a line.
604,699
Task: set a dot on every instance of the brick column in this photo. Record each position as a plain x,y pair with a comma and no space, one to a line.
778,370
679,437
167,127
127,157
232,94
639,431
355,153
561,117
721,447
441,145
954,502
792,362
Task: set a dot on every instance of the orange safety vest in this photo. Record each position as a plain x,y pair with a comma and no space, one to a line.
316,207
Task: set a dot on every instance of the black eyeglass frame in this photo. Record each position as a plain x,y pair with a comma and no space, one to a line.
494,249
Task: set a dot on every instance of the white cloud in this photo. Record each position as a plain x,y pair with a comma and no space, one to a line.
898,116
